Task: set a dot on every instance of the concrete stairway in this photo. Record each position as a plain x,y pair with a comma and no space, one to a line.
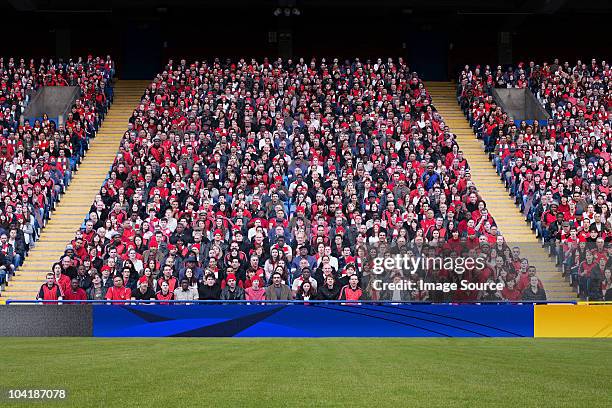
75,203
510,221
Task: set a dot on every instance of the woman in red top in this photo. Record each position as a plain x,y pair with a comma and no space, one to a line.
254,292
510,291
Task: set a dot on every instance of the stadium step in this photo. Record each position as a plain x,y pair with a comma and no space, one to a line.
75,203
510,221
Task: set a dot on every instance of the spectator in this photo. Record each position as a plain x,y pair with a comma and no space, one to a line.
306,291
5,269
67,265
106,278
185,292
147,276
130,283
75,293
255,292
232,291
330,290
304,277
606,283
191,279
8,253
278,290
397,294
143,292
97,291
164,293
83,276
50,290
118,292
510,292
534,292
168,278
209,288
352,291
62,280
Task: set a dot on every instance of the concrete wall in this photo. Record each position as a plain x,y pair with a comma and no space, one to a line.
55,101
520,104
46,320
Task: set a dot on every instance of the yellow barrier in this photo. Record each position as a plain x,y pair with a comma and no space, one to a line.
582,320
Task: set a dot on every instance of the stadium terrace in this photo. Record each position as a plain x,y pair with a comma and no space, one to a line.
284,179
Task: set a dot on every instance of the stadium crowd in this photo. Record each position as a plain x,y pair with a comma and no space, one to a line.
285,180
559,171
37,159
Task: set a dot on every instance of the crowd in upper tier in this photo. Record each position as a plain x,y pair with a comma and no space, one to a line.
286,179
37,158
559,171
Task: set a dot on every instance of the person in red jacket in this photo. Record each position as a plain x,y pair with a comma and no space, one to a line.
510,291
168,278
62,280
352,291
118,291
255,292
75,292
50,290
165,293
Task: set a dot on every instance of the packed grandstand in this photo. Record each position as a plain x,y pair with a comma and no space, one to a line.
279,180
559,171
38,158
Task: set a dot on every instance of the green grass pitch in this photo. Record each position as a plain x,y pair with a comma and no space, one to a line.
372,373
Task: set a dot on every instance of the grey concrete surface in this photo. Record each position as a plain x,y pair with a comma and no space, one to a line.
46,320
520,104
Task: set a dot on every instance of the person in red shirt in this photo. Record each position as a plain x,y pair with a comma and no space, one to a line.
165,293
168,278
584,273
50,290
524,279
62,280
75,292
510,292
352,291
118,291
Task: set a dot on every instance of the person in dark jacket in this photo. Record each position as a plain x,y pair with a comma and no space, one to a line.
4,268
83,277
17,240
330,290
97,291
306,291
209,288
232,291
533,291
